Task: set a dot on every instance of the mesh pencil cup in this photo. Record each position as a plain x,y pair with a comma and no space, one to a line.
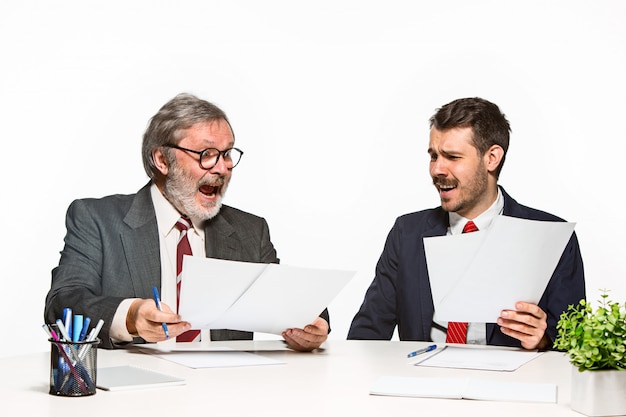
73,367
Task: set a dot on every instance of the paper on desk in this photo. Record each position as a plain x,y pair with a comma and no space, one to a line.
474,276
268,298
489,359
215,358
464,388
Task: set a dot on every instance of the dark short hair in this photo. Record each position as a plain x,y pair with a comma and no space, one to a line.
488,123
166,127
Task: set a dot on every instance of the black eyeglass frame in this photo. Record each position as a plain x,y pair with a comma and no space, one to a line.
204,151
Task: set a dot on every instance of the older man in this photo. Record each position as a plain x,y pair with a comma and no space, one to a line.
118,247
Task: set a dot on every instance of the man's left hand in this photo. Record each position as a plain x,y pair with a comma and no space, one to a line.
527,324
309,338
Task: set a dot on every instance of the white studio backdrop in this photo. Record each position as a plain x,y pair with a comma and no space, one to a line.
330,101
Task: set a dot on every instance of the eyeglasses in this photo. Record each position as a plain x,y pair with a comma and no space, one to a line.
210,156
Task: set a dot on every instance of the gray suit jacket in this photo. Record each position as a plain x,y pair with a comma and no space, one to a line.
111,253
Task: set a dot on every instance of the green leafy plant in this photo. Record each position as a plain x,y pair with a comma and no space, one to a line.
594,340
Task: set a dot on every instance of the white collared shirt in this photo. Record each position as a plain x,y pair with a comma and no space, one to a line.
476,332
166,216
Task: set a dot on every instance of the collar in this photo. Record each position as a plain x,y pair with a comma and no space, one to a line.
483,221
166,213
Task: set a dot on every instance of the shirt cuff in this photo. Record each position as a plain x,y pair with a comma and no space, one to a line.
118,331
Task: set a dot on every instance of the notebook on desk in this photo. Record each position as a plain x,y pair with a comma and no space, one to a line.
492,358
118,378
465,388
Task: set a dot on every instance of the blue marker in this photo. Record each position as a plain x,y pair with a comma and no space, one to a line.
157,300
420,351
77,327
83,332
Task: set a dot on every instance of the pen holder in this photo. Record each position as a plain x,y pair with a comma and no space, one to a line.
73,368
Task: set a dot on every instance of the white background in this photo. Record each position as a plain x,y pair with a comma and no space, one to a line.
330,101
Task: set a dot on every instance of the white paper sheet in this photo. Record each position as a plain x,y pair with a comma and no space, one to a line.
219,358
268,298
464,388
474,276
467,357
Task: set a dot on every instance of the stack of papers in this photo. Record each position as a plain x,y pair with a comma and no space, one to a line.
195,355
267,298
493,269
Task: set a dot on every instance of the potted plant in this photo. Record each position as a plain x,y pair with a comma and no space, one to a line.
595,341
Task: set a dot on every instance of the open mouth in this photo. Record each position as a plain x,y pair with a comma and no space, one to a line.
444,188
209,190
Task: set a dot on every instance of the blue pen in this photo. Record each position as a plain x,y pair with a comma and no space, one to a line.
67,321
420,351
157,300
83,332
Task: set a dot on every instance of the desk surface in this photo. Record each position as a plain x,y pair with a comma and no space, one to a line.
334,381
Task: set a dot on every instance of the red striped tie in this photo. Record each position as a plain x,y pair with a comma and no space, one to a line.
470,227
183,248
457,331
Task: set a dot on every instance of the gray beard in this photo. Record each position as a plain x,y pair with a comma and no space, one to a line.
180,190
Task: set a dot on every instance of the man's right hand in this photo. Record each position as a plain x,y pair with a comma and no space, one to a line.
145,320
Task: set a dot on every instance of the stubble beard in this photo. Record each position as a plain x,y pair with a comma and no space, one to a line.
470,196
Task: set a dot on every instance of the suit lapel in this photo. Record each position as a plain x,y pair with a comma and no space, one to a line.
141,244
437,224
220,240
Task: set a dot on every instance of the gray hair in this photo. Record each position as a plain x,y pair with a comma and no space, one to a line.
167,126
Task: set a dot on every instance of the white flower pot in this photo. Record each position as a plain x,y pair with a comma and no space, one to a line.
599,393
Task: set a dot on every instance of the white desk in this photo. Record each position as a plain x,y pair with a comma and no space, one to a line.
335,381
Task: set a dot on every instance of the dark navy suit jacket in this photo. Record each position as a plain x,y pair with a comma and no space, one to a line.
400,293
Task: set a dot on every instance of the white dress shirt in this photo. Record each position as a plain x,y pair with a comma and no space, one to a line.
166,216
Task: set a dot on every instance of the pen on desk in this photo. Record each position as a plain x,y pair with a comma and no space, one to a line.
420,351
157,300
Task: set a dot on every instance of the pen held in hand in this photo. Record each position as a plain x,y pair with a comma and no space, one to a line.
420,351
157,300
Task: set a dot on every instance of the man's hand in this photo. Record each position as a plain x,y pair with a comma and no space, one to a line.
146,320
527,324
309,338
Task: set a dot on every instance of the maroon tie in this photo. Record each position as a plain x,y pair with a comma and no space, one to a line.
457,331
183,248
